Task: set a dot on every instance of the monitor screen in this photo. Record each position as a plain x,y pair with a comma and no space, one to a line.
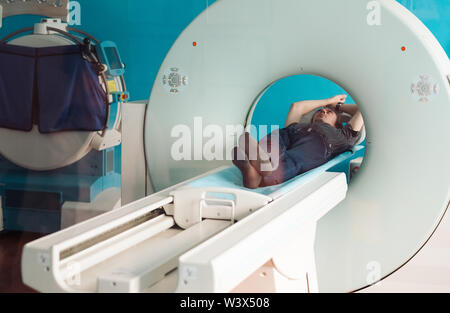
113,58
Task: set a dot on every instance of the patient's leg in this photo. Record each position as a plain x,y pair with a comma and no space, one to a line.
251,177
259,159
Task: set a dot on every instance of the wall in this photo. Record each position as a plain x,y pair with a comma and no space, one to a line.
146,29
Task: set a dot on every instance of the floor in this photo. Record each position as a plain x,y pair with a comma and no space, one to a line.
11,245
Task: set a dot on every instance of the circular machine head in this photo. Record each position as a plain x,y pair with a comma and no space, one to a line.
402,190
42,152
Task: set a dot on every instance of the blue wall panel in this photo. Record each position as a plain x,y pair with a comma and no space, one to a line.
146,29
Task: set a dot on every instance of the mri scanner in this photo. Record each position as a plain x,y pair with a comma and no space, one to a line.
202,232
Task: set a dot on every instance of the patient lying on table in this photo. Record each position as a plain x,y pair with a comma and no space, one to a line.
299,147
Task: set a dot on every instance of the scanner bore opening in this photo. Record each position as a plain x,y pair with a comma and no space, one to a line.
270,109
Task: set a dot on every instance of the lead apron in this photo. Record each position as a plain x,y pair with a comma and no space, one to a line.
54,88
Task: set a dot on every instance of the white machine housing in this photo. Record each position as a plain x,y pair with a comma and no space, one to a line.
390,210
397,73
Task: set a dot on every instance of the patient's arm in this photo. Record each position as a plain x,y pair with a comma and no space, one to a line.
357,121
351,109
299,109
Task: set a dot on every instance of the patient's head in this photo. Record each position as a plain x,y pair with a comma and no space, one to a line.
328,115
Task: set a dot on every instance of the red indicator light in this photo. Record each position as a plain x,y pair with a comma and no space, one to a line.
194,44
403,48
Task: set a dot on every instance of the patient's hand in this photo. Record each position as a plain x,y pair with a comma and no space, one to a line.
337,99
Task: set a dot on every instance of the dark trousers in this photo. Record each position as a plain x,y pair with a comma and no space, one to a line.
293,151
